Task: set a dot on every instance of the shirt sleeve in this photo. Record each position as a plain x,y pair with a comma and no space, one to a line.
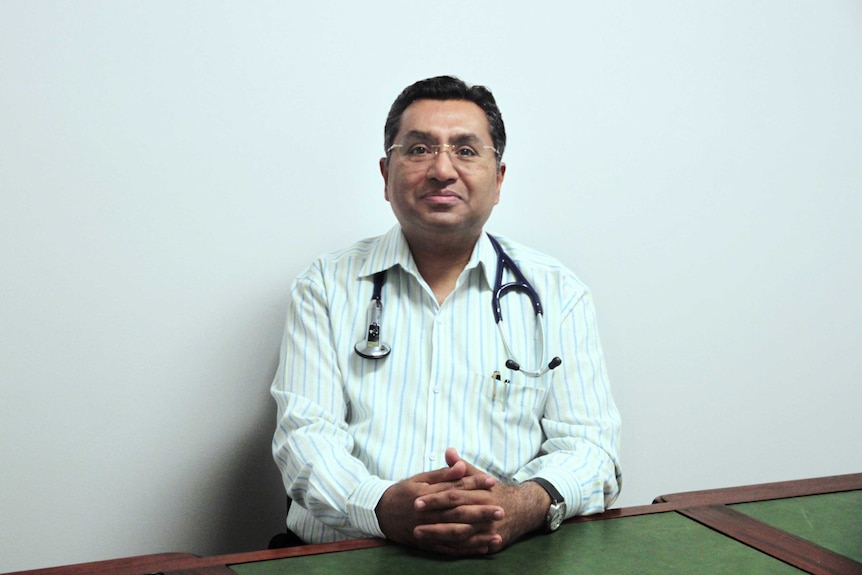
581,423
311,446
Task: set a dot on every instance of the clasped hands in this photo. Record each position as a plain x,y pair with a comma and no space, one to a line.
460,510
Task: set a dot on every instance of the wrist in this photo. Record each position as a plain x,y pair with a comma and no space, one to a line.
536,502
555,512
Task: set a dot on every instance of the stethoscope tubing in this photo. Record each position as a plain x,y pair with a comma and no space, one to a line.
521,286
373,348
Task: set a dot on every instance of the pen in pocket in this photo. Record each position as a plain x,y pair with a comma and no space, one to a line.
506,383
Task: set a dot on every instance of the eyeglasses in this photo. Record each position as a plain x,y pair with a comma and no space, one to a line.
460,154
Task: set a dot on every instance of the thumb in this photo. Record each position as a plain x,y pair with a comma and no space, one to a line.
453,458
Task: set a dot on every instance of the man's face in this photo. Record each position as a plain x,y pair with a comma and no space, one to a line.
442,197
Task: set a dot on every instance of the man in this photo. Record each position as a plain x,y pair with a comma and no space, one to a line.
441,444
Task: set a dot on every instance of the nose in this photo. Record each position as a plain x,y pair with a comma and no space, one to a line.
442,167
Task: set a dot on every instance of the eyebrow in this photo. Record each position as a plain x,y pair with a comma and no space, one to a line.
420,136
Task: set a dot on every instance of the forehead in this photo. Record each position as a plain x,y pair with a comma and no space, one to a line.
444,119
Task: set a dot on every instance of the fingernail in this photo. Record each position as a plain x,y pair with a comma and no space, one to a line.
419,504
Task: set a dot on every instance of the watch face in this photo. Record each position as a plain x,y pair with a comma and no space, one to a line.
555,516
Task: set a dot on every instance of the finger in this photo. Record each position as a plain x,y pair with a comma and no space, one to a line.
452,458
448,495
442,475
472,491
453,534
482,517
453,497
455,539
482,482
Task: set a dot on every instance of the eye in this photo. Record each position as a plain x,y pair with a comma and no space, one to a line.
418,150
466,152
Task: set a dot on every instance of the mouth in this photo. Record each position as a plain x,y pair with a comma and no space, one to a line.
442,196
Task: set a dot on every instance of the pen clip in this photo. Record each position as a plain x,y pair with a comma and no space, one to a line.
495,377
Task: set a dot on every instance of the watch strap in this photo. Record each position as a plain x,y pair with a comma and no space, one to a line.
549,487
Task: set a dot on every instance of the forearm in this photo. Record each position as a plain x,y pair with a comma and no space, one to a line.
587,477
581,424
321,474
312,445
527,510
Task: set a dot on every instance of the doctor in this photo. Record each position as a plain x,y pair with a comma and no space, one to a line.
440,444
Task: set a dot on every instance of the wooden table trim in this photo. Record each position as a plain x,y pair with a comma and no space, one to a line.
138,565
765,491
773,541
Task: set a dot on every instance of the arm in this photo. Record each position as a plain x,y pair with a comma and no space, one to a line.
581,424
578,453
581,428
312,446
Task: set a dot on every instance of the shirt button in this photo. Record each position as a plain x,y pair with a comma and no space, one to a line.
432,457
436,390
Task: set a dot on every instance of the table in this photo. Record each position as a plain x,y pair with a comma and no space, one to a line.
805,526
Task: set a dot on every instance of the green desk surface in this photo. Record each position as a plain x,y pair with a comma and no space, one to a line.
661,543
830,520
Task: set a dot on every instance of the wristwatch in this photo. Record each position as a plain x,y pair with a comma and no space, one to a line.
557,510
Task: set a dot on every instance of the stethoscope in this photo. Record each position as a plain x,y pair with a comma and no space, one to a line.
372,347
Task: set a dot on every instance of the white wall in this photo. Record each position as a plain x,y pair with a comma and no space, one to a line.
167,168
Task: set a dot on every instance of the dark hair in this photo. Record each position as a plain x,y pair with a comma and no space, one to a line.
446,88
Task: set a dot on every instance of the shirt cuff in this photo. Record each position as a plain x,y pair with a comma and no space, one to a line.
568,488
362,503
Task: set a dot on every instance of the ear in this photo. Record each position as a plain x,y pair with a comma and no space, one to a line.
384,171
501,174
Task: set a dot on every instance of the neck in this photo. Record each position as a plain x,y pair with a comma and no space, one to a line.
441,262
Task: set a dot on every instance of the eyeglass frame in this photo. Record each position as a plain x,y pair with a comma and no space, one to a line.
449,148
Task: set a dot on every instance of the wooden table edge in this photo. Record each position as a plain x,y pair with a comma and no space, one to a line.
121,566
765,491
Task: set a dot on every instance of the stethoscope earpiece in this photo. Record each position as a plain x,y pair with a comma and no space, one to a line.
515,366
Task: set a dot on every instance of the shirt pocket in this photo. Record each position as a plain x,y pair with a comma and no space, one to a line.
510,416
518,393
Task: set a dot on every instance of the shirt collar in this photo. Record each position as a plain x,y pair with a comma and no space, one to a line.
392,250
486,255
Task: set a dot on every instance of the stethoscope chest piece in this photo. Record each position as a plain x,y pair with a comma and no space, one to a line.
371,347
372,352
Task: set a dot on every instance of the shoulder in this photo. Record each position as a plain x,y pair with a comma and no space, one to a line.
541,268
342,263
360,250
528,258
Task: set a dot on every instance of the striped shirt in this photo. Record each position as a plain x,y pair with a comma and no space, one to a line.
350,427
